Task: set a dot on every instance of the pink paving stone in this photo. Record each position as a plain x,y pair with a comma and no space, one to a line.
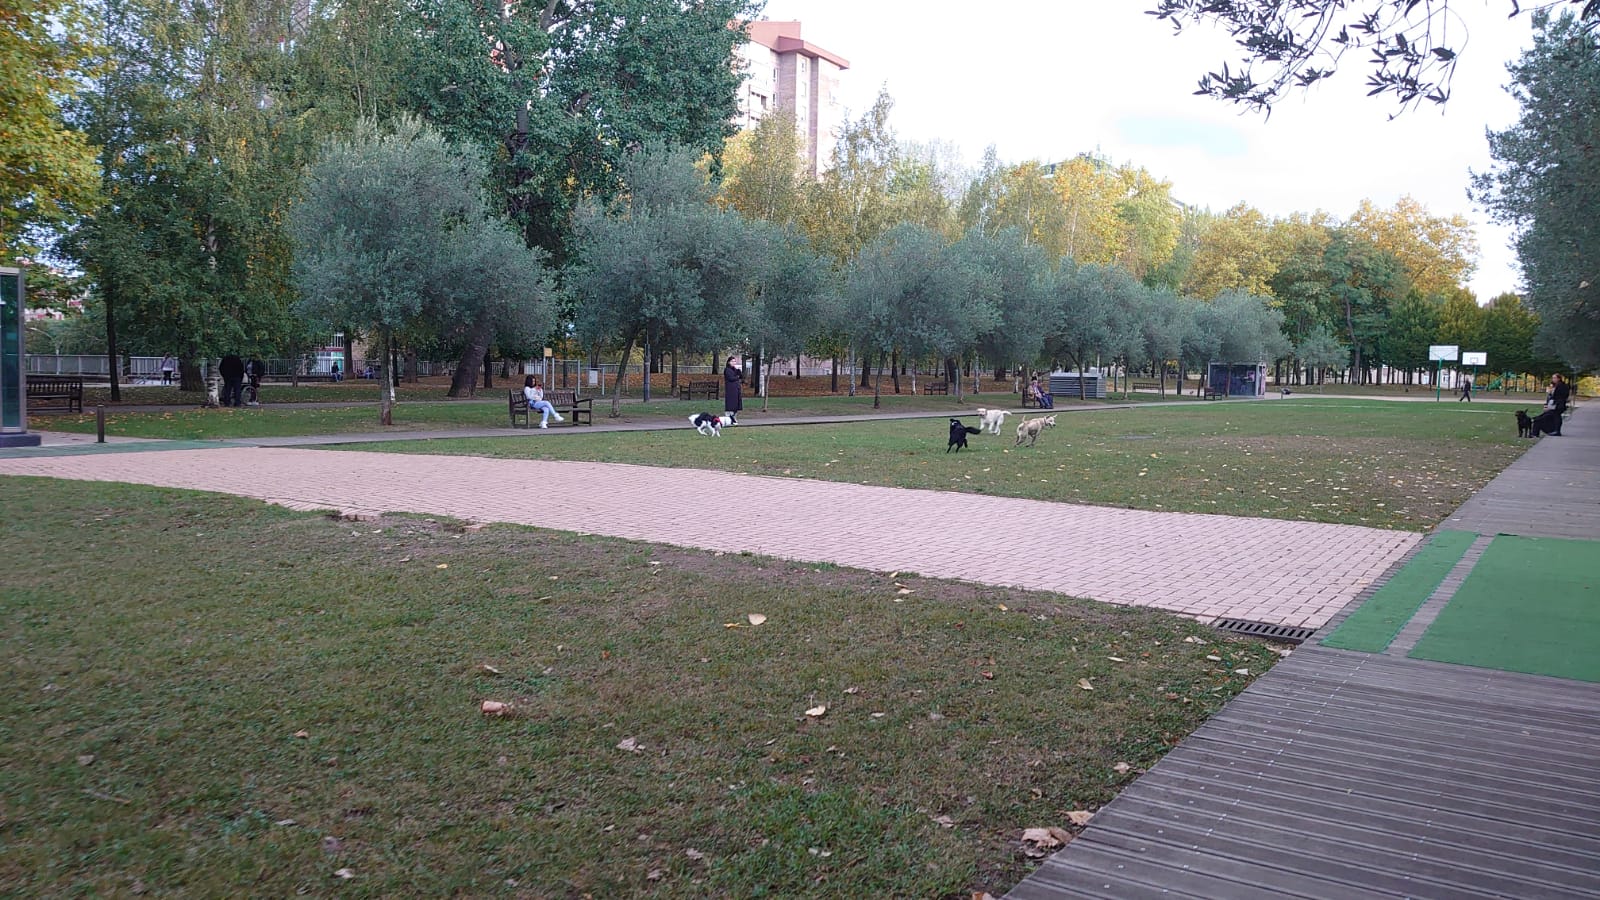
1207,566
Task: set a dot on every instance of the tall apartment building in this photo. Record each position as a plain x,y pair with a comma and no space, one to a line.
785,72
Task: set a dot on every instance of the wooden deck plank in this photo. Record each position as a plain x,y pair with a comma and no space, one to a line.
1437,839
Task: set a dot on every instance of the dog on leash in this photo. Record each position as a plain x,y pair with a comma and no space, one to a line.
958,435
992,419
1547,422
708,424
214,393
1524,424
1031,429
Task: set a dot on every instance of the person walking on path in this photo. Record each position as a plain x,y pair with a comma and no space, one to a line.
232,371
732,393
168,366
534,392
1466,390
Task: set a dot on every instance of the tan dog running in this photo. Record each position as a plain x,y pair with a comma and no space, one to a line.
1031,428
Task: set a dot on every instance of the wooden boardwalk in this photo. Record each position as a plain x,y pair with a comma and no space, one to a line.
1346,775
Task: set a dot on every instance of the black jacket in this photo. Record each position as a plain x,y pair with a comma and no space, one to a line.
231,368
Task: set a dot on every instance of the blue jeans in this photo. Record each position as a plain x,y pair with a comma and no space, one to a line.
544,408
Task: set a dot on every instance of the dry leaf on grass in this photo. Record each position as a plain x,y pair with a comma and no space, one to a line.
345,873
655,875
487,669
944,821
816,712
302,733
86,759
756,618
1191,639
1051,837
1122,768
1115,658
1080,816
1085,684
629,745
1241,671
442,566
1213,657
494,708
694,854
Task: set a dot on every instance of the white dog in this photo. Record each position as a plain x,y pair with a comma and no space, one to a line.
708,424
1030,429
993,419
214,393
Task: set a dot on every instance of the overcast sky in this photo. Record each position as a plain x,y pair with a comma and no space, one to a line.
1047,79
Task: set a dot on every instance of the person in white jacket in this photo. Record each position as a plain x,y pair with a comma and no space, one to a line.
534,391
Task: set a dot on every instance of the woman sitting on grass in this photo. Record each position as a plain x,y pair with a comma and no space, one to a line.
532,390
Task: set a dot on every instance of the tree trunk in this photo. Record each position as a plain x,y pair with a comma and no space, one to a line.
877,384
349,354
952,367
622,367
464,383
764,404
111,349
894,372
866,374
833,385
411,367
672,382
386,403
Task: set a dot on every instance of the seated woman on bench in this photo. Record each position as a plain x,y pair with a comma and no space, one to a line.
534,391
1039,394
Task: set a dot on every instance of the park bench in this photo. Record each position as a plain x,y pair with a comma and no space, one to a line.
709,388
55,392
936,387
1212,393
577,410
1146,386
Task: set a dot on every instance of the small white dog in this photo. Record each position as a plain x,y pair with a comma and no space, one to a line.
214,393
993,419
708,424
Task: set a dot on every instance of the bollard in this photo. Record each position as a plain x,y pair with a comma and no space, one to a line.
99,424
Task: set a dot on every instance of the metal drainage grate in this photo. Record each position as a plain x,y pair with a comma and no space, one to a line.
1292,634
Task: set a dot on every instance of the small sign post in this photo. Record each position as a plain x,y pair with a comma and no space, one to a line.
1440,354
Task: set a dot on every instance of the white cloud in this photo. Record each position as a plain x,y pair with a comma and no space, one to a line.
1048,79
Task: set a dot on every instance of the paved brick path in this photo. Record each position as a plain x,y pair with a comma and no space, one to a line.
1265,570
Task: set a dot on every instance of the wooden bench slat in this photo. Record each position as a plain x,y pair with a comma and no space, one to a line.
54,392
710,388
567,403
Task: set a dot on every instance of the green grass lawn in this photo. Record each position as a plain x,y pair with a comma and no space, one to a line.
204,695
276,419
1387,465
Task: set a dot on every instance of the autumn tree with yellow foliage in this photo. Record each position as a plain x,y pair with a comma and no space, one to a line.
1437,252
47,170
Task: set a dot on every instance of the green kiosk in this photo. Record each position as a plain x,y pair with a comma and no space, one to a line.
13,382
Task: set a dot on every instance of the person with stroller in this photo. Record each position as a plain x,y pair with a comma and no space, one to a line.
231,368
254,371
534,392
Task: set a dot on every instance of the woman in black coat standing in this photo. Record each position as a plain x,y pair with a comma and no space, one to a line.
733,396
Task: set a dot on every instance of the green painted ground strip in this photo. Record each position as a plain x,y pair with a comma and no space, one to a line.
1529,605
1375,624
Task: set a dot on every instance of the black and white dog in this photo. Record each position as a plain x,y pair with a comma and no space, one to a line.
958,435
708,424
